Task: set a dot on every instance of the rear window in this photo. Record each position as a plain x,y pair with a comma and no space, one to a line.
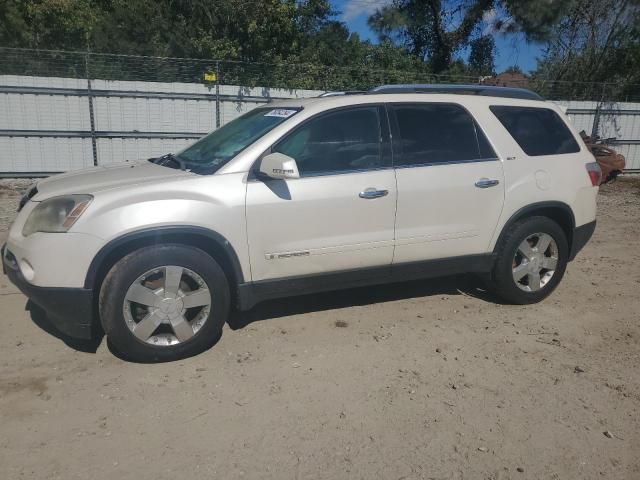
538,131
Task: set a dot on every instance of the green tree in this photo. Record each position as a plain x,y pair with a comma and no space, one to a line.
513,69
481,56
266,30
47,23
421,27
436,30
596,41
319,50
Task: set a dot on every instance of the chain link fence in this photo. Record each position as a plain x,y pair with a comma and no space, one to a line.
103,66
62,108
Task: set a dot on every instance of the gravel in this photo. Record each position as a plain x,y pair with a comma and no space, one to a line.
10,192
285,394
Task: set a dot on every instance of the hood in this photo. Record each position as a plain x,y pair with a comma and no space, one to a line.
96,179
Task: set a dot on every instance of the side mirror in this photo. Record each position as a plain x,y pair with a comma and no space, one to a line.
279,165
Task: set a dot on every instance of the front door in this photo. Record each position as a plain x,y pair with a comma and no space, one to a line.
340,214
450,182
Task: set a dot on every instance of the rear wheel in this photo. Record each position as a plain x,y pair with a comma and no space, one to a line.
164,302
532,258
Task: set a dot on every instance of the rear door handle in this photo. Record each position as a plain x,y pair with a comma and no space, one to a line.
486,183
370,193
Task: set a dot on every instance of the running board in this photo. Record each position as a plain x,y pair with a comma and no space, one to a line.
250,294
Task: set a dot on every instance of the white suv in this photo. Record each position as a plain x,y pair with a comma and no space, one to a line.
403,182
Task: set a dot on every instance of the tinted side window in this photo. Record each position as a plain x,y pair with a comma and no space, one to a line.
345,140
483,144
538,131
438,133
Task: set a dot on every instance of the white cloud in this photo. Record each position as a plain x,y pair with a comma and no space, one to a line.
496,23
355,8
489,19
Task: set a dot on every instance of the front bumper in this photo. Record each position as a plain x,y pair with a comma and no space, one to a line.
70,310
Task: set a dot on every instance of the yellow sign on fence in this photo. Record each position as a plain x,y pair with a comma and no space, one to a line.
210,77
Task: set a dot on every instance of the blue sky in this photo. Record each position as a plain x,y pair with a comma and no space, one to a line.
511,49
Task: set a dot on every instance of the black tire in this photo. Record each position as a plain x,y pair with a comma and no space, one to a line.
502,281
125,272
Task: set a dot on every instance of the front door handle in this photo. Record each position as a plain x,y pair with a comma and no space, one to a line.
370,193
486,183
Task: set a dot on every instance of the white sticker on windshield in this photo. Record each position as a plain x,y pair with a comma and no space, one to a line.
280,112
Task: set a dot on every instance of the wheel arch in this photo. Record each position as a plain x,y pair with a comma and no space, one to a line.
207,240
559,212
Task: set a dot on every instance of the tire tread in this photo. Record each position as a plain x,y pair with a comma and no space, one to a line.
118,280
502,283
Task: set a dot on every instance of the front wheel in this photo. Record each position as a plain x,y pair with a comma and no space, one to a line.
164,303
532,259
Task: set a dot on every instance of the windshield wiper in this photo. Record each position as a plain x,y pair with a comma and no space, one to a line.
165,160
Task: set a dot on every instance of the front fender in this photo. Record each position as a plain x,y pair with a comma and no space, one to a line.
212,205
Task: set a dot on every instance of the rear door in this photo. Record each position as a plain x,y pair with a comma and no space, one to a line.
450,182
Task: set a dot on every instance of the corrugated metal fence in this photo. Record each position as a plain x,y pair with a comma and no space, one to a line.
55,124
618,121
58,124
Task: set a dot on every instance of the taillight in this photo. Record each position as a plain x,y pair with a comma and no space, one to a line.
595,173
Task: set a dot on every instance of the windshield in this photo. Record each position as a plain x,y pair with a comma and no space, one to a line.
221,145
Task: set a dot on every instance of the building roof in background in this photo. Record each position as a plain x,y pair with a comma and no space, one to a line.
508,79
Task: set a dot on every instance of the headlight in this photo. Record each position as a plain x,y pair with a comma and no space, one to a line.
56,215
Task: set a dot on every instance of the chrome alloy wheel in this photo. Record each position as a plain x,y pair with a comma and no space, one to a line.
535,262
167,305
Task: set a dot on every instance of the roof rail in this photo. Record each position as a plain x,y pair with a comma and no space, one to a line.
485,90
335,94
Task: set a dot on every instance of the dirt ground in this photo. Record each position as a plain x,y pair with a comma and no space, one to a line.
422,380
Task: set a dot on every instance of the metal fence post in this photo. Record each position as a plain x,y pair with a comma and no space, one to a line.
92,121
217,94
596,117
596,122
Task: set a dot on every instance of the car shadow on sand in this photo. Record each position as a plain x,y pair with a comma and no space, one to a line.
468,285
39,317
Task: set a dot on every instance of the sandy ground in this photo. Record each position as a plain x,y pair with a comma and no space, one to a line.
422,380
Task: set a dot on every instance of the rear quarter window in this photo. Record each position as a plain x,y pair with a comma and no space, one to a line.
538,131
